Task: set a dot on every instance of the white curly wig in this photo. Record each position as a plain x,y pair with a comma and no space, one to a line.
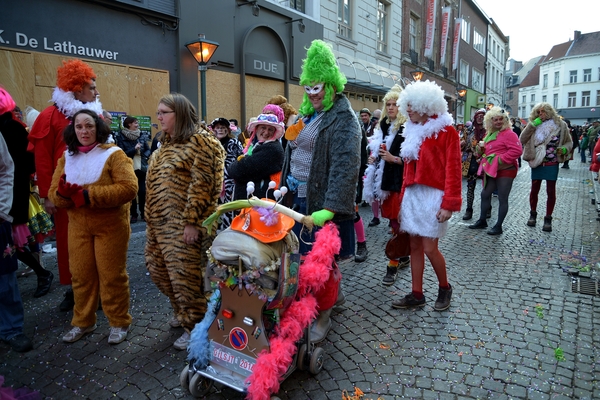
424,97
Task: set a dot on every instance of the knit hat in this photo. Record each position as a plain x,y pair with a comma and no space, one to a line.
268,119
274,109
424,97
320,66
74,75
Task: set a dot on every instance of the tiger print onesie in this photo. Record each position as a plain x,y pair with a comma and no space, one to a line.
183,185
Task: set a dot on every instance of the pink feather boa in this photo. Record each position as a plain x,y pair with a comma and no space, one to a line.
314,273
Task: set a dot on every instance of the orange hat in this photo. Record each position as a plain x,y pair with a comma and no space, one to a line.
249,222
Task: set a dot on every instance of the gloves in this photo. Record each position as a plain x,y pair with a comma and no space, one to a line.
321,216
66,189
80,198
563,150
536,121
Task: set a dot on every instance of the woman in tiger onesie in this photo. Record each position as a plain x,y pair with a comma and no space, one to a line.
184,181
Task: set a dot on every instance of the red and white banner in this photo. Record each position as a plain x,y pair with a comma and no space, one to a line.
445,27
430,28
456,42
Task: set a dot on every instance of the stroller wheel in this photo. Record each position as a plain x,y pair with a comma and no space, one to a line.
317,359
184,378
200,386
302,357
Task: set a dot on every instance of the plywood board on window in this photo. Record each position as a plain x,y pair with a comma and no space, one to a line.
222,96
112,82
146,88
16,76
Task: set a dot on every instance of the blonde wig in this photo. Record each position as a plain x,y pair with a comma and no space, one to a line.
393,94
550,112
493,113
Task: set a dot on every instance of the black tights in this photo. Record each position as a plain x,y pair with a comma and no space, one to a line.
26,257
504,186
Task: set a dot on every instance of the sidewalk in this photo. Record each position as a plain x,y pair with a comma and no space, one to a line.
513,314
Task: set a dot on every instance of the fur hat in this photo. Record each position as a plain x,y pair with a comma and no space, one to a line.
424,97
320,66
74,75
268,119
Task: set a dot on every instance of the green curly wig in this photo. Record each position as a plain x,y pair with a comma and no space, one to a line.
320,66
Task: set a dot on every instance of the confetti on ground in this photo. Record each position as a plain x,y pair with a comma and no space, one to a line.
452,337
384,346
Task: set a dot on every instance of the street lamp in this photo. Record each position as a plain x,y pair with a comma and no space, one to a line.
462,96
202,50
417,74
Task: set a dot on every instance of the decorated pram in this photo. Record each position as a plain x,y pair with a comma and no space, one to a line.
256,330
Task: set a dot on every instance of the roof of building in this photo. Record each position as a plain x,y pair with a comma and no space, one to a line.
525,71
587,43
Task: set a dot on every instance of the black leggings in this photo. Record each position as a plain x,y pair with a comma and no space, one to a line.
504,186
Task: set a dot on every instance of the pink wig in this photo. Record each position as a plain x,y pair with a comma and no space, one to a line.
274,109
6,102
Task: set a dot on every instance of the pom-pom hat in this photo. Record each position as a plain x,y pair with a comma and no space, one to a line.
424,97
268,119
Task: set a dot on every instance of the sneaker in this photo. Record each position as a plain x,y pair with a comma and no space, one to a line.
443,300
174,322
117,334
361,252
390,276
403,263
20,343
374,222
182,342
77,333
409,301
68,302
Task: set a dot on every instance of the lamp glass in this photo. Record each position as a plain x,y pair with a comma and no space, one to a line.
417,75
462,92
202,50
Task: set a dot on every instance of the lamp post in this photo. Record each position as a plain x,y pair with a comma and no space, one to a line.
202,50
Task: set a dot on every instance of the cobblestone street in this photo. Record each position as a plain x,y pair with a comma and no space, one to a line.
515,329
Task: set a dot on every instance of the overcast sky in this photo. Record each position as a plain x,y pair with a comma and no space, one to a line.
535,26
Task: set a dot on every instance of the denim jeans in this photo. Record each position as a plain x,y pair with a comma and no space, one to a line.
11,307
346,229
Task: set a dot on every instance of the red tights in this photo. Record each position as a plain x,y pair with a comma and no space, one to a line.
550,191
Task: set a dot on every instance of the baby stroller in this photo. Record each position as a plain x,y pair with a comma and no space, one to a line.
247,340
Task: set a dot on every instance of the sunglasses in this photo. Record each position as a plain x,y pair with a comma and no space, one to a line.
316,89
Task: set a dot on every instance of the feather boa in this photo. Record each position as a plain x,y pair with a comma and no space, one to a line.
543,131
374,173
415,134
271,366
69,105
199,347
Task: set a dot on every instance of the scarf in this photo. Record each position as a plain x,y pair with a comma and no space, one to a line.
415,134
87,149
131,135
69,105
544,130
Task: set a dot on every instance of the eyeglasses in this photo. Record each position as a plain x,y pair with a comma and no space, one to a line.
161,113
316,89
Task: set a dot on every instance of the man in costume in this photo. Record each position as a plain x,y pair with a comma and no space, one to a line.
75,90
322,163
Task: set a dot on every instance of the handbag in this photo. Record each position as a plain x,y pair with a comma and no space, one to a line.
398,246
465,167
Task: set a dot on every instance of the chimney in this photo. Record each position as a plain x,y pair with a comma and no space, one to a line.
577,35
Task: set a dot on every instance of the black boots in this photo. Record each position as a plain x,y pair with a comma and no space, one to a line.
468,214
532,218
496,230
547,224
361,252
480,224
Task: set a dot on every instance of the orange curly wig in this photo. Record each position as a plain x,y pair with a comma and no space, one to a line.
74,75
